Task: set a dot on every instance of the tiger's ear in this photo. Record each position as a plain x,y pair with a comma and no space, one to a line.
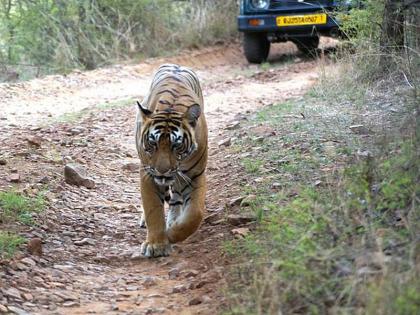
192,114
144,111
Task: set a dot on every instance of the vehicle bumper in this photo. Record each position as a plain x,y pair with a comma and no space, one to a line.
269,25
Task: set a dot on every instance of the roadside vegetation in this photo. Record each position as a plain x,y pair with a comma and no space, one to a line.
16,211
41,37
335,177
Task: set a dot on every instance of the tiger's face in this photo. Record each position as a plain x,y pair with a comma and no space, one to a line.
167,139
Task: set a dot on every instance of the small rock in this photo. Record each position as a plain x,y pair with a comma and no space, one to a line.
131,166
149,282
77,130
179,288
195,301
173,273
74,174
17,310
205,299
35,246
3,309
359,129
154,310
52,307
156,296
236,219
21,267
66,296
14,178
137,255
71,304
259,139
3,162
225,142
28,261
44,180
283,161
276,185
13,293
374,260
218,222
201,284
236,201
133,288
212,218
114,307
190,273
233,125
85,241
248,200
28,296
366,272
88,183
240,232
317,183
34,140
364,154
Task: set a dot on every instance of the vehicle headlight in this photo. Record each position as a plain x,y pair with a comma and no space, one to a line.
260,4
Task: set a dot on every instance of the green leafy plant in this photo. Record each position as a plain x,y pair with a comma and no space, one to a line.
8,244
17,207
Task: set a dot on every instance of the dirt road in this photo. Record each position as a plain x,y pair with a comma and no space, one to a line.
90,262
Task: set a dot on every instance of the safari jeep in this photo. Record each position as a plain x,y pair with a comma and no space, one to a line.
301,21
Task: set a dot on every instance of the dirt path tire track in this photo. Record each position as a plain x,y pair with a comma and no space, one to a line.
105,275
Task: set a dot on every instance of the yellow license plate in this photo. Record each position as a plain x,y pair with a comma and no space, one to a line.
307,19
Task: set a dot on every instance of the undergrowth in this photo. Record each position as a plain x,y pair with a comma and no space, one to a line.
339,215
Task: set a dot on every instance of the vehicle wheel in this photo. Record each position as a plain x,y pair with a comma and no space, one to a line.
307,45
256,47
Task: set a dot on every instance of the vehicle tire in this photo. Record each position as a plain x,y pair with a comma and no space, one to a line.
307,45
256,47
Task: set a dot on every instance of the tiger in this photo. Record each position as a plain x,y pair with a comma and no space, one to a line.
171,141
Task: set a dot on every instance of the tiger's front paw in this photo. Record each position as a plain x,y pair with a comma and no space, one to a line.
149,249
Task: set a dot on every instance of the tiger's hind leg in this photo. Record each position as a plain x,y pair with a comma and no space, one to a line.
142,221
191,215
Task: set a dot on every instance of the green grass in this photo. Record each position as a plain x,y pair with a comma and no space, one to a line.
117,103
72,117
17,207
9,243
265,66
333,211
252,165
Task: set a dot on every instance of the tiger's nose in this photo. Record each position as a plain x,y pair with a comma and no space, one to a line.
165,173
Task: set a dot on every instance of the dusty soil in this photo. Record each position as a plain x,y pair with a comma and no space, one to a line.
91,237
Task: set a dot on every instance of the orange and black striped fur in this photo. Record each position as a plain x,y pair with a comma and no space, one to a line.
171,140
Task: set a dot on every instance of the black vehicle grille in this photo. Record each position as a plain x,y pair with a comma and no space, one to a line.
293,4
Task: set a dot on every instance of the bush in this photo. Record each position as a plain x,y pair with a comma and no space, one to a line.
41,36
